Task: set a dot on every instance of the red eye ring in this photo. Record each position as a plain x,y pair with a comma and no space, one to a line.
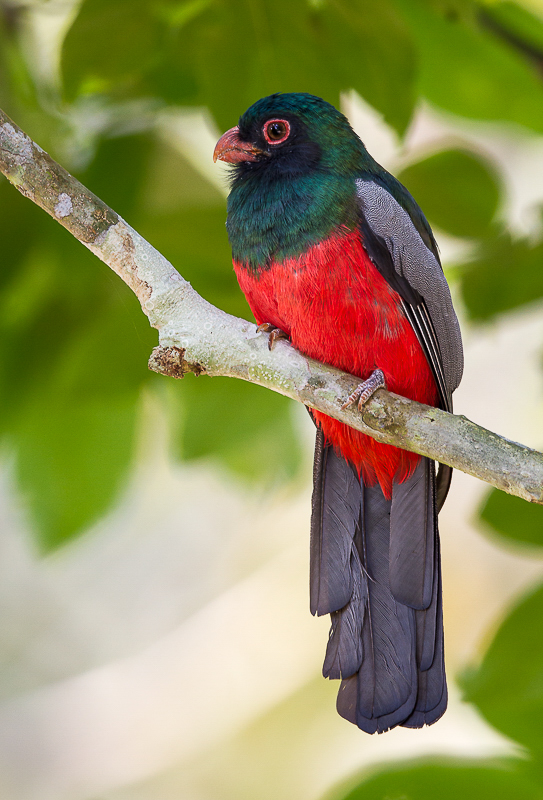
276,131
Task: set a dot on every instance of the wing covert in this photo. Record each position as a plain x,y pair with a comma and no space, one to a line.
412,269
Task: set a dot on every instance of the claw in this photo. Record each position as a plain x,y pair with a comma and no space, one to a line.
364,390
275,333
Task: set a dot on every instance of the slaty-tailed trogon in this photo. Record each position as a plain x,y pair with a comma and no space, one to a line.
332,251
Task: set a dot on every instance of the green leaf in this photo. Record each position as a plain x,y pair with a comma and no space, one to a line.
17,91
458,192
23,225
245,426
231,75
4,70
65,307
118,170
109,355
73,428
109,46
368,44
75,345
514,518
515,23
448,779
507,274
199,52
41,307
466,69
72,459
508,686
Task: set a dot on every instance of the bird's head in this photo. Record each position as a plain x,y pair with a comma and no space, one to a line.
291,133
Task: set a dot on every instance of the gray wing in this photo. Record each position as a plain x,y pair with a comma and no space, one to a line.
416,274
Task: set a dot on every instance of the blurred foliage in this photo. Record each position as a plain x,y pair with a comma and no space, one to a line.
213,53
471,199
225,55
63,311
466,68
75,343
508,686
516,25
255,433
505,273
449,779
71,459
513,518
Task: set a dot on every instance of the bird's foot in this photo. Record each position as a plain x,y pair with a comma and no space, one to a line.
364,390
275,333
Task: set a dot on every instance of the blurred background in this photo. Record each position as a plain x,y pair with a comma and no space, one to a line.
156,641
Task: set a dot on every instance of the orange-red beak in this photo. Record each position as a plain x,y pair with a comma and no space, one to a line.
230,148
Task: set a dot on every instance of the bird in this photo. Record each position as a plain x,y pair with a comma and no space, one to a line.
333,253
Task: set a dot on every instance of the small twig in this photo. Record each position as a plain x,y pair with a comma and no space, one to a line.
197,337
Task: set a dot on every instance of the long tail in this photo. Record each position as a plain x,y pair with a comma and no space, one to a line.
375,567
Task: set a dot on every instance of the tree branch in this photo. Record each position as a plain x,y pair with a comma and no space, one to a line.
197,337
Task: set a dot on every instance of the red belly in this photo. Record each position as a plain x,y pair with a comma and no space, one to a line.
337,308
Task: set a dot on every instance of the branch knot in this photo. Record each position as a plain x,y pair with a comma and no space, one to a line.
171,361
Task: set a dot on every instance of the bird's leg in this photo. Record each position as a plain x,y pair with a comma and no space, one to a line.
364,390
275,333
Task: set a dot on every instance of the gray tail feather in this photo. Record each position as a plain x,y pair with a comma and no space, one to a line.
375,568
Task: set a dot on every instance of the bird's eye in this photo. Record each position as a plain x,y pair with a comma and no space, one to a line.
276,131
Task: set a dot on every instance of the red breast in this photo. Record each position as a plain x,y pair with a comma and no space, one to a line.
337,308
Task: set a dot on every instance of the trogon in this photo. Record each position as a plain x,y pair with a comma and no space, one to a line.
333,252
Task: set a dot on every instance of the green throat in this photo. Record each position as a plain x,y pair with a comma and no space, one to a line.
288,218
